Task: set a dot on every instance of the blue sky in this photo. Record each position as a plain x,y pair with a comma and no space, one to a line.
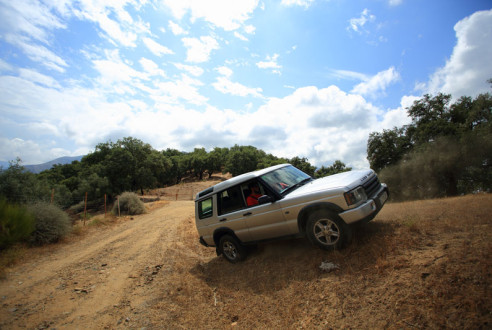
309,78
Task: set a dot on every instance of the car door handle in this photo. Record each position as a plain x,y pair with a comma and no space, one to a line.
247,214
222,220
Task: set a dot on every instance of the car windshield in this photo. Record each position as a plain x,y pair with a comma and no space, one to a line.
286,179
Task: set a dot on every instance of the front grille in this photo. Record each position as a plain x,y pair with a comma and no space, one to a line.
372,186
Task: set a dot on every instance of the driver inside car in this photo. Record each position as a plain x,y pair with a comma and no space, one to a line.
252,199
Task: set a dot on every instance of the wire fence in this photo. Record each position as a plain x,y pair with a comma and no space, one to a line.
77,203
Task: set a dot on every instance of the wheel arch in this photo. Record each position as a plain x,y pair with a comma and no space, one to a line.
218,233
303,216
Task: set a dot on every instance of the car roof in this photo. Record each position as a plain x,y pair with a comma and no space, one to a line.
236,180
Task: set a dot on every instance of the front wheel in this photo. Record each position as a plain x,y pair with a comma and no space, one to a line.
327,230
232,250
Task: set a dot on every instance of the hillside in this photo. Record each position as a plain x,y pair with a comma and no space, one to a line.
424,264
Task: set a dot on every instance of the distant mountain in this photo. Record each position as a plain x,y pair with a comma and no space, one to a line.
45,166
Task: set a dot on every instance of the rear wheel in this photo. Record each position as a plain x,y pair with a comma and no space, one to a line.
232,249
327,230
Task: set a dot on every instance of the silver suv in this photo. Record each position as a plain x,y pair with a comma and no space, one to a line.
282,201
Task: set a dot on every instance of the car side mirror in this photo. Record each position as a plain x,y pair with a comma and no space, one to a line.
265,199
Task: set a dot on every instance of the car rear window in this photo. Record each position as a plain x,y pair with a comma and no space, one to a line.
205,209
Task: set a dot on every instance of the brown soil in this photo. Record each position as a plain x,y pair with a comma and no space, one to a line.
420,264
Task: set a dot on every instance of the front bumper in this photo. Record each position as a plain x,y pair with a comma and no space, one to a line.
368,210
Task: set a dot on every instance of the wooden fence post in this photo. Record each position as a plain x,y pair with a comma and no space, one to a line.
52,195
105,205
118,198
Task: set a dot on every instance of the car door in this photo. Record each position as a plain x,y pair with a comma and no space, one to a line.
264,221
231,208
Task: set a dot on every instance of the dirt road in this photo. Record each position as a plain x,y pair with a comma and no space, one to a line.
100,280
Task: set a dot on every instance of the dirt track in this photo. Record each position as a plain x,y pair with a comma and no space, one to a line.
100,280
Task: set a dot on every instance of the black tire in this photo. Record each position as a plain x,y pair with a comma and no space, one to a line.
327,230
232,249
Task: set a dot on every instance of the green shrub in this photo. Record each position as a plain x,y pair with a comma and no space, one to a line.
51,224
129,204
16,224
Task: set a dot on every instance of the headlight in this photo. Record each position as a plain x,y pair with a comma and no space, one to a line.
355,196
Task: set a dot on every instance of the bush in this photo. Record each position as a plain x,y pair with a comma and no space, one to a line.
51,224
16,224
129,204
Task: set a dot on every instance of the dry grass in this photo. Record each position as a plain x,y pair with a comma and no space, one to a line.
424,264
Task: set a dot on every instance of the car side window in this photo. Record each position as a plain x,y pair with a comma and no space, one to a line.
253,190
205,209
230,200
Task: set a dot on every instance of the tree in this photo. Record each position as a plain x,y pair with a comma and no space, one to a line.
20,186
266,160
129,165
217,160
387,148
303,164
199,162
337,167
95,187
431,118
242,159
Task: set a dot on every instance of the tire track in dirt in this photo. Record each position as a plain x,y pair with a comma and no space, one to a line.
89,283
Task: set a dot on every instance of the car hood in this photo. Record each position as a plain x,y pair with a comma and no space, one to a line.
347,180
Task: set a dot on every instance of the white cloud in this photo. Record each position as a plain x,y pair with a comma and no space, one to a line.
226,14
156,48
240,36
123,28
199,49
346,74
114,30
151,67
31,19
270,63
302,3
176,29
378,83
78,115
225,71
249,29
39,78
38,53
468,68
191,69
4,66
320,124
114,73
357,24
395,3
178,90
226,86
